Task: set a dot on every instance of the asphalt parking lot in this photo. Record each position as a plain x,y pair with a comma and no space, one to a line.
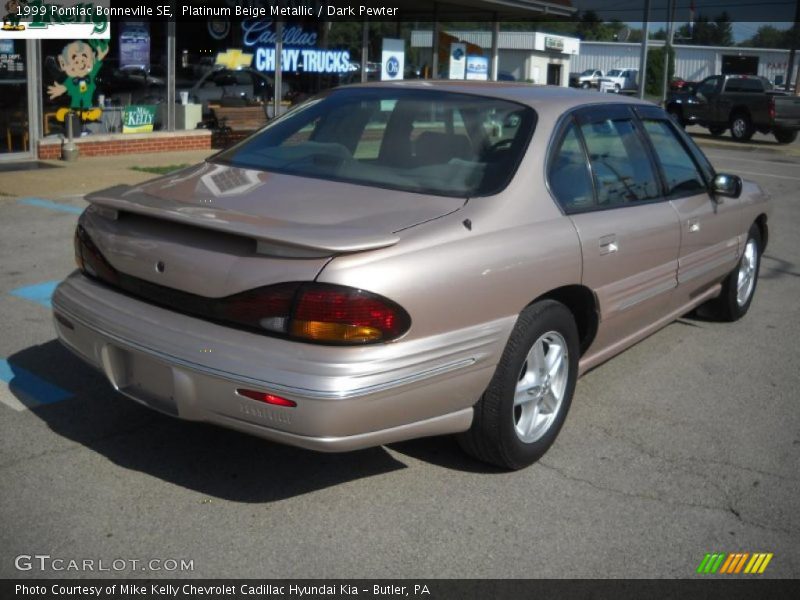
686,444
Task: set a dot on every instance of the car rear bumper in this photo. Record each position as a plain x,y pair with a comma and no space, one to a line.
346,398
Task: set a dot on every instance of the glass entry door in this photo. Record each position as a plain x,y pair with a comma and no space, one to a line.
15,118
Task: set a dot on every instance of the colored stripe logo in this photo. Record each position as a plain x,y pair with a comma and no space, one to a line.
734,563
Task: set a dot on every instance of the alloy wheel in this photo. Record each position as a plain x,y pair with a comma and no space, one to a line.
541,387
747,273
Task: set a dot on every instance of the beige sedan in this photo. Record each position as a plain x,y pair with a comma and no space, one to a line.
399,260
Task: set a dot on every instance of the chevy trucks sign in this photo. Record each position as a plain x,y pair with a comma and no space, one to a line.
299,53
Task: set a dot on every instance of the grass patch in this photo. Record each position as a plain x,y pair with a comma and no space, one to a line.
160,170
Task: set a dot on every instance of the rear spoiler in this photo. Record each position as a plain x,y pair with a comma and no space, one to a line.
267,232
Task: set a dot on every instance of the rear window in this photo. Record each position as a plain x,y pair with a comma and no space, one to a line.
413,140
744,84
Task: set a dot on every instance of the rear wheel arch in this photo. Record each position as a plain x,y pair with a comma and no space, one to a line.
581,302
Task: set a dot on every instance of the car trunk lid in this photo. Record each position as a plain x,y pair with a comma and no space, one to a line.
215,230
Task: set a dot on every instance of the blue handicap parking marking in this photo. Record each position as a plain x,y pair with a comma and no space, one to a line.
31,390
39,293
59,206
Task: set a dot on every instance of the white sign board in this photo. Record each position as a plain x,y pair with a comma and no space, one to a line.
458,61
393,59
478,68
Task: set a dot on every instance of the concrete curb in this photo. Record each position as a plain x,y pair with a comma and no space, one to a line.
787,150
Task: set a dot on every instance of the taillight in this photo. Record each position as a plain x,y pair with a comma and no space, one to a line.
317,312
89,258
340,314
772,108
323,313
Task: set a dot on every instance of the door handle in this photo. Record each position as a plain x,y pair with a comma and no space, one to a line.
694,225
608,244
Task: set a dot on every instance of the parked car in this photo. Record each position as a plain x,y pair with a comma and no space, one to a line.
620,80
378,266
590,78
742,103
245,84
677,84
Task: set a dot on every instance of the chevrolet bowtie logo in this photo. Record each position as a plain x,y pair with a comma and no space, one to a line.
234,59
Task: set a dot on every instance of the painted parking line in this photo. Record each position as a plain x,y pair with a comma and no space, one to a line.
41,293
59,206
21,389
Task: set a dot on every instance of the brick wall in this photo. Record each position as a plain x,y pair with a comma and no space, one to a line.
107,145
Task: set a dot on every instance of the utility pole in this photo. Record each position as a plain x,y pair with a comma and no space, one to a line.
668,48
793,34
643,58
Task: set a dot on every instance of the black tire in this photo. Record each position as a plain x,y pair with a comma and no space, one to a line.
716,131
585,85
493,437
617,88
785,136
728,307
742,127
677,116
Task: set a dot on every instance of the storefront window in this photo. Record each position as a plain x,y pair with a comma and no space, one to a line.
13,97
106,86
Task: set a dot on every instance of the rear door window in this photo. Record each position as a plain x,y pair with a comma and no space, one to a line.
568,173
681,174
709,85
621,166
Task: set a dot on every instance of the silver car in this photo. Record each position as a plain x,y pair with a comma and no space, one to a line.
397,260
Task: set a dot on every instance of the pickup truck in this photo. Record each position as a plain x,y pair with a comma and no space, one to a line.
589,78
620,80
742,103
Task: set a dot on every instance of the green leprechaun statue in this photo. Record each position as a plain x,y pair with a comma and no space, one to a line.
80,62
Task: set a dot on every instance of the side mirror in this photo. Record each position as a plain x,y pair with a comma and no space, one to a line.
727,185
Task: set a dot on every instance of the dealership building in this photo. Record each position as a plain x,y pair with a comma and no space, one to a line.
692,63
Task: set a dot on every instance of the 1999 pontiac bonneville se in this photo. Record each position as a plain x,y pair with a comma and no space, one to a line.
391,261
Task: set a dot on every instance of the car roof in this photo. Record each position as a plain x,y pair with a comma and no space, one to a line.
538,96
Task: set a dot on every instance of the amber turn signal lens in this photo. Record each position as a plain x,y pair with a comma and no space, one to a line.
335,332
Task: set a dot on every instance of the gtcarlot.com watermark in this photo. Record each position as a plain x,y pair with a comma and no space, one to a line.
45,562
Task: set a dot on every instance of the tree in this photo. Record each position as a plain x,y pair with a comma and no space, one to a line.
655,70
661,34
705,32
768,36
590,27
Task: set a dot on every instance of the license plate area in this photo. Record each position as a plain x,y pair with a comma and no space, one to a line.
140,377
